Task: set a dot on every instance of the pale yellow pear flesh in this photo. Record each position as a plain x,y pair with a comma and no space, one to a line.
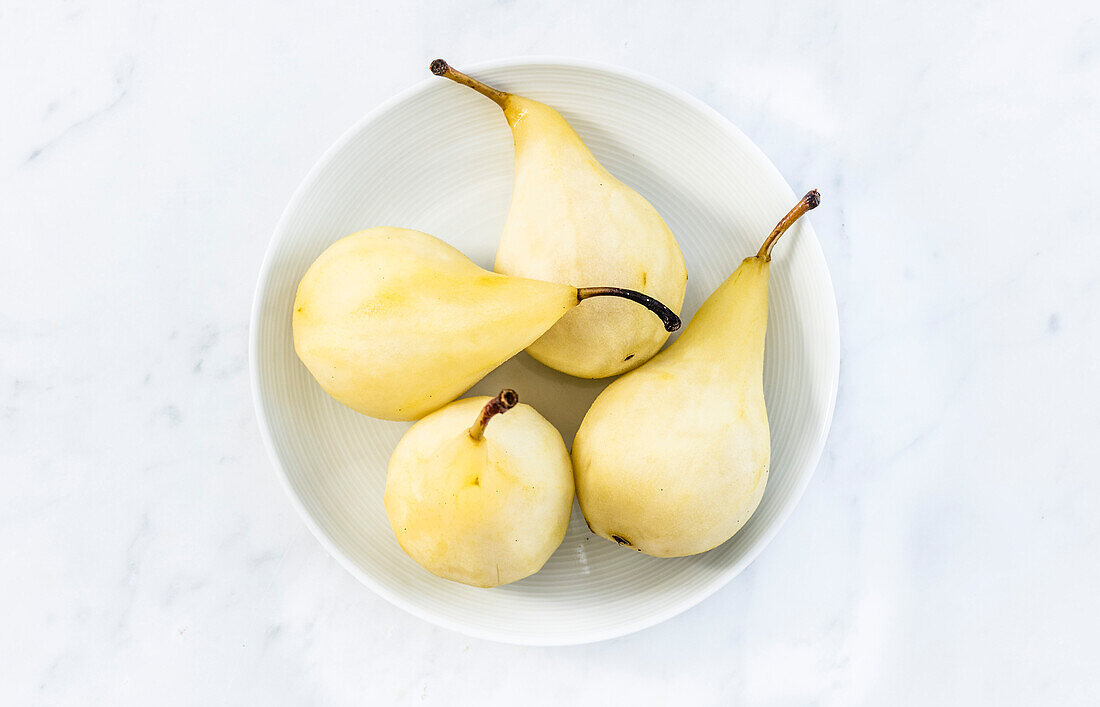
395,323
482,512
572,222
672,458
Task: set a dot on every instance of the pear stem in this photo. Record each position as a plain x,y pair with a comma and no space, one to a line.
440,67
808,202
668,317
503,402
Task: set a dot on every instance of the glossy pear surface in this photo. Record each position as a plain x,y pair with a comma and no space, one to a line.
482,512
572,221
395,323
672,458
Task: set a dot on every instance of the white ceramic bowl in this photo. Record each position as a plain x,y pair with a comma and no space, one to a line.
438,158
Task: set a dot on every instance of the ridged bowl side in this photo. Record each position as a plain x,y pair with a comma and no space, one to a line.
438,158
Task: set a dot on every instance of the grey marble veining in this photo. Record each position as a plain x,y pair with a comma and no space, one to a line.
945,552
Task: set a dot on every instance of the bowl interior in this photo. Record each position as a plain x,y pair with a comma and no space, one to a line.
438,158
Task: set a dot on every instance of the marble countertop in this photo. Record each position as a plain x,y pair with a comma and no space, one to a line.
945,552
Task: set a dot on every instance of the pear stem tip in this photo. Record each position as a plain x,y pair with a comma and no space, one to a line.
503,402
667,316
807,203
508,399
440,67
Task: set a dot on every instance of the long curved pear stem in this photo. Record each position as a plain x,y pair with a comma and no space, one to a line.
440,67
808,202
668,317
503,402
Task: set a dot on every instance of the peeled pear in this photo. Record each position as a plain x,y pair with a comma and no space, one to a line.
478,503
672,458
395,323
572,222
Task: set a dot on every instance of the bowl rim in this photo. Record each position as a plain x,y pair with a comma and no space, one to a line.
261,294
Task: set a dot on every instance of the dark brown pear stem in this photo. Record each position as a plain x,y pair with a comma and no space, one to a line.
808,202
668,317
503,402
440,67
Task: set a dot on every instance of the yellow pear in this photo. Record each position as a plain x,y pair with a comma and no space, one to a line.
477,503
395,323
572,222
672,458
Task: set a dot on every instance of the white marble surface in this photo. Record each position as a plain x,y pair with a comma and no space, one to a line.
946,551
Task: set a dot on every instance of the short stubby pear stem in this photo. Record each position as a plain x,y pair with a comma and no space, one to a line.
668,317
503,402
440,67
807,203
